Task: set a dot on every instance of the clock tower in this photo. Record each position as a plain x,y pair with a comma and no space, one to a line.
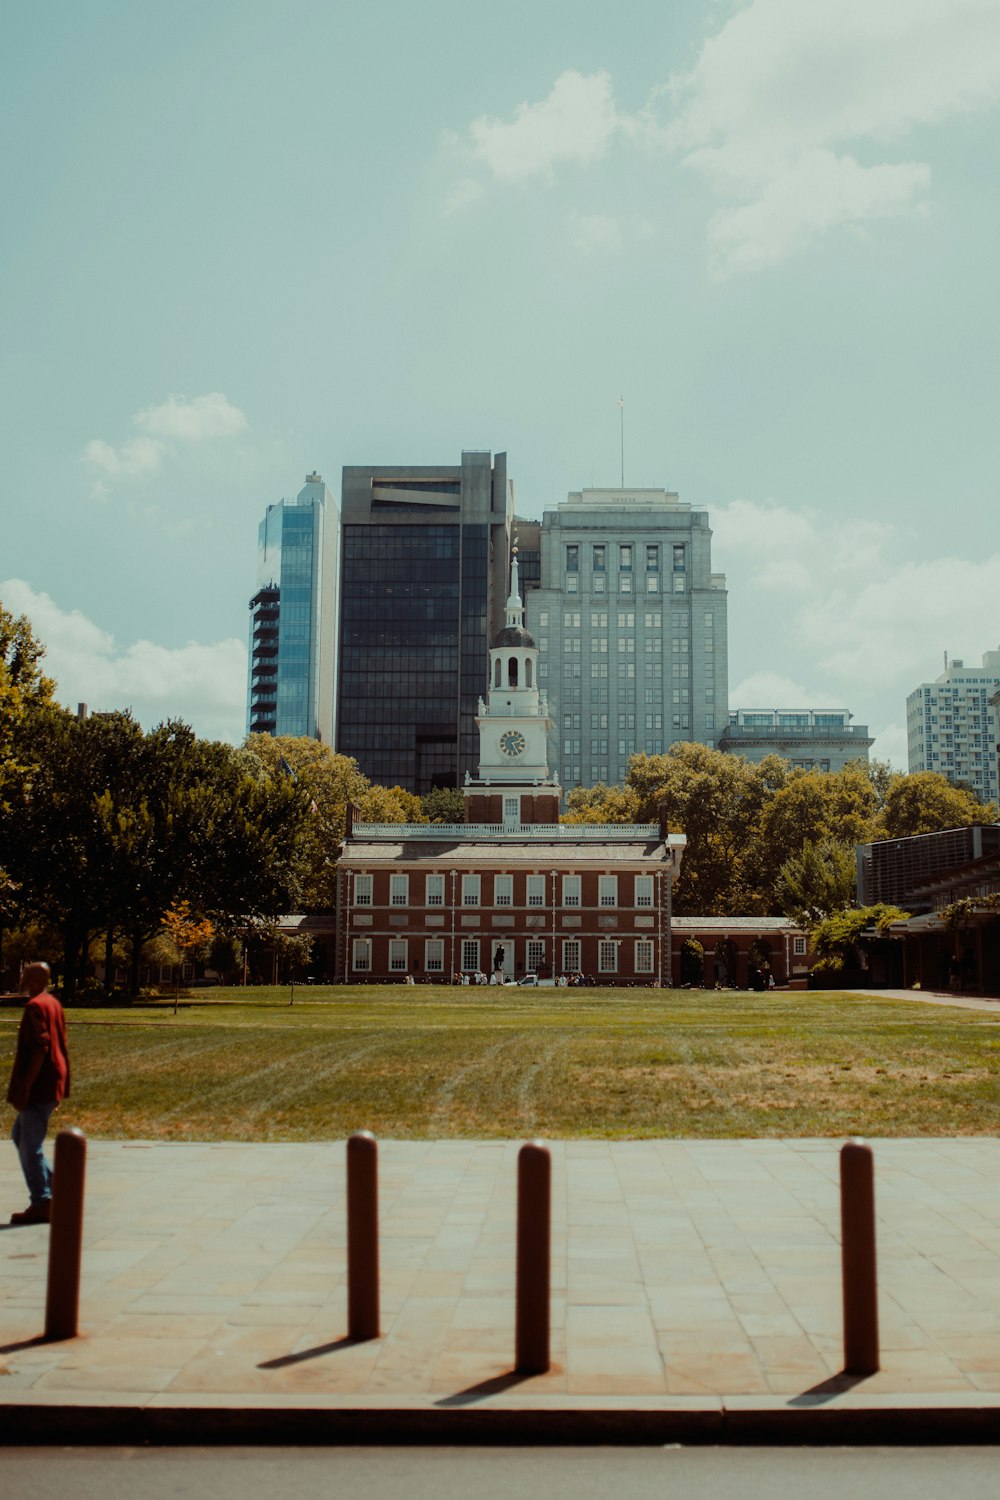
513,785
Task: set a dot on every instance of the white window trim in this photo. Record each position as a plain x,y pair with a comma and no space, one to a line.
607,890
471,890
363,890
429,944
361,946
395,967
395,899
503,890
607,948
436,900
533,964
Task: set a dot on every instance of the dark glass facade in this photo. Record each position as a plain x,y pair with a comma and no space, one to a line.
413,663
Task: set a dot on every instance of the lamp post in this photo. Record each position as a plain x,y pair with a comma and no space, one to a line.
555,877
659,929
454,877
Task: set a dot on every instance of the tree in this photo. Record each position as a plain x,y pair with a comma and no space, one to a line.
817,805
23,685
445,804
816,882
190,934
390,804
328,782
717,801
882,777
925,802
116,827
602,804
23,690
838,941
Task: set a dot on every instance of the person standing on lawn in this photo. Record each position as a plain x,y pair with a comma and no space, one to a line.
39,1081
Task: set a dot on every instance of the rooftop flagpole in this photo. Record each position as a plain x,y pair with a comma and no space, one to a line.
621,415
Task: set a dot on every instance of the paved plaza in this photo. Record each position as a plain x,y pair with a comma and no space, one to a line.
690,1271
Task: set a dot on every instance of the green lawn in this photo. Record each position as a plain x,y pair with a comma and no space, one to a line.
436,1061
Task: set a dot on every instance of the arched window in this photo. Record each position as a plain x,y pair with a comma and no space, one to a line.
527,672
496,673
512,672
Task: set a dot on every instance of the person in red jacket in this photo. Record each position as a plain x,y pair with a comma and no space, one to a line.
39,1080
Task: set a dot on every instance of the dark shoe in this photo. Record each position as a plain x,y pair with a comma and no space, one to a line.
35,1213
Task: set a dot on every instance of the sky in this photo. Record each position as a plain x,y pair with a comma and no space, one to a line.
244,240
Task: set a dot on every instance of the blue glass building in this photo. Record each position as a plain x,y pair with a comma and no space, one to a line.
293,617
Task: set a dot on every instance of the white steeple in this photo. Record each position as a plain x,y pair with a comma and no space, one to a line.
514,720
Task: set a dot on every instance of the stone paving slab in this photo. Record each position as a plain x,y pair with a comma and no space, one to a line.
695,1275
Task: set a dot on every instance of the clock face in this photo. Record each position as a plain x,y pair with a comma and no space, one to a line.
512,742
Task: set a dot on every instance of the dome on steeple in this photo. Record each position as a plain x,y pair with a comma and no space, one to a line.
515,635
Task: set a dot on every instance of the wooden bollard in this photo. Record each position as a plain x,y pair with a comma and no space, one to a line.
534,1257
62,1297
362,1237
858,1259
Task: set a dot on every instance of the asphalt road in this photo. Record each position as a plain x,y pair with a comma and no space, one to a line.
729,1473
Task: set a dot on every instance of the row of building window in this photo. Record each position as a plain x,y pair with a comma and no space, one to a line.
503,890
626,554
653,619
403,955
598,583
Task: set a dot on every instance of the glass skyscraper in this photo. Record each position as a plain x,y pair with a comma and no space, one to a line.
293,617
423,588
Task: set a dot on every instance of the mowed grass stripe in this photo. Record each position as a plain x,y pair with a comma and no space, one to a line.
434,1061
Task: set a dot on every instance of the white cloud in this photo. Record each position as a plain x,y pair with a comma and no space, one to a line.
194,420
784,87
134,460
574,124
890,745
813,195
831,603
465,192
176,420
777,548
792,114
765,689
203,684
900,621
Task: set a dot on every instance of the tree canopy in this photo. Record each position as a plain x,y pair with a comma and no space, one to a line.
768,838
328,782
925,802
142,823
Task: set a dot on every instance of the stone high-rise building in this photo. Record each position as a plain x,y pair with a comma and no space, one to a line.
631,624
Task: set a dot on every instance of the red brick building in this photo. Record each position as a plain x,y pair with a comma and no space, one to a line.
511,890
738,952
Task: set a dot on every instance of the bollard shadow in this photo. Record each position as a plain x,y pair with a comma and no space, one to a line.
315,1353
835,1385
484,1388
38,1342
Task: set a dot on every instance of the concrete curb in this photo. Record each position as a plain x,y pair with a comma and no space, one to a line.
737,1421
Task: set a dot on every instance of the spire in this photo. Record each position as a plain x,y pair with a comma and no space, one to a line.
515,609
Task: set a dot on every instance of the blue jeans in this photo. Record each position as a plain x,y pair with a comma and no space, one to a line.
28,1136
